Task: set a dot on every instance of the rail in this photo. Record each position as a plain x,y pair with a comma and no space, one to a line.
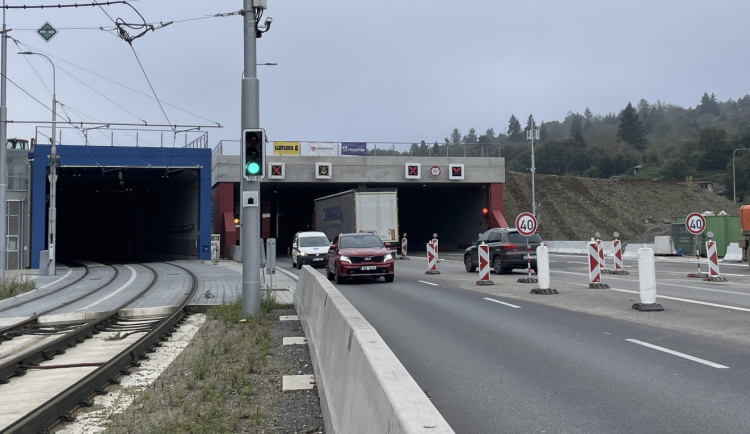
139,138
61,407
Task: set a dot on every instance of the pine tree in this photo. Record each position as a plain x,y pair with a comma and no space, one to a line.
589,119
708,105
576,131
455,137
490,133
471,137
631,129
514,129
644,115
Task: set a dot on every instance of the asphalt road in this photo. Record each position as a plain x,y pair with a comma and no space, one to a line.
497,363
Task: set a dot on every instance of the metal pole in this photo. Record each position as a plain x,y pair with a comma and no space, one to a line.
53,183
3,150
533,169
734,182
250,216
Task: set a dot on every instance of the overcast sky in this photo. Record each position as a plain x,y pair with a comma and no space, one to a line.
384,70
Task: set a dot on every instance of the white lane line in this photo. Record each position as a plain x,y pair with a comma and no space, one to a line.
429,283
678,354
502,302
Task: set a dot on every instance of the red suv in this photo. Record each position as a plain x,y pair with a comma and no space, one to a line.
358,255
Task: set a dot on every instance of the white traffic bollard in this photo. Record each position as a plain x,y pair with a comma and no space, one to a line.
483,252
431,260
542,268
647,281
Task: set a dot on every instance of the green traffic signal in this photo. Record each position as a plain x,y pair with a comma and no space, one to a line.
252,168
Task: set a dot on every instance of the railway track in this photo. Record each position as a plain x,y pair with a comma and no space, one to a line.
61,407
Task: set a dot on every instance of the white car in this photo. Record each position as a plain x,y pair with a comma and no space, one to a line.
310,248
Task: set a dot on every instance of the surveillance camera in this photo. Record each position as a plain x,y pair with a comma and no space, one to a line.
269,20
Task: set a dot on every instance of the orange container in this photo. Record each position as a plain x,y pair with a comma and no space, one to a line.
745,220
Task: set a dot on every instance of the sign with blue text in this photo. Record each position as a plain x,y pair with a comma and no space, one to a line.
352,148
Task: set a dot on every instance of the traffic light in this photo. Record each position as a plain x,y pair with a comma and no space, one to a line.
253,153
485,212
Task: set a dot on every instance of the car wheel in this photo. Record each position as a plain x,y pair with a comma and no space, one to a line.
469,266
337,276
299,264
389,279
497,266
328,272
294,263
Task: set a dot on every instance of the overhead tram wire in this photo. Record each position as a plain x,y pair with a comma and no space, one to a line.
112,81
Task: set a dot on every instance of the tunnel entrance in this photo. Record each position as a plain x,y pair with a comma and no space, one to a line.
453,211
127,214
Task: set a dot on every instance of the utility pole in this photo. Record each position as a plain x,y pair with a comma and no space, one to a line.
531,135
250,216
3,149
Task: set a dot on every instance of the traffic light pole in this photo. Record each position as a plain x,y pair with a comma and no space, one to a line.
250,216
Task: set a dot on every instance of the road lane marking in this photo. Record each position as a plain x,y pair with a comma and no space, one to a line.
678,354
502,302
429,283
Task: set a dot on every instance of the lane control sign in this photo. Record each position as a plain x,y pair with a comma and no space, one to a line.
413,170
526,224
455,171
695,223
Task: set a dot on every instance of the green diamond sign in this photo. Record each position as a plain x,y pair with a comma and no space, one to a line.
47,32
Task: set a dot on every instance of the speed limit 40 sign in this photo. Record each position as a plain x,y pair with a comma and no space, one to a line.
695,223
526,224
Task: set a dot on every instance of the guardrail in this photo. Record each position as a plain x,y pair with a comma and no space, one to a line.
140,138
363,387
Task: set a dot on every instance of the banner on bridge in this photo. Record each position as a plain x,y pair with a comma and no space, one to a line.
286,148
350,148
319,148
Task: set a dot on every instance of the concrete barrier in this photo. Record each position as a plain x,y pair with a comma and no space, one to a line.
663,245
573,247
607,248
235,253
631,250
363,387
734,253
553,246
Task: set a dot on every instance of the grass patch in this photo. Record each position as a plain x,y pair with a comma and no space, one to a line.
13,287
210,387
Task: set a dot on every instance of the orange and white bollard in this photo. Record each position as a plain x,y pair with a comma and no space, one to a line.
431,260
595,275
484,265
713,262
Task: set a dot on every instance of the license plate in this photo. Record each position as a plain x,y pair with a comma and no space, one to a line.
530,256
317,259
368,267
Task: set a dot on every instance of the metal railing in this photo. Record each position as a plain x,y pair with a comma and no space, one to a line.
379,149
150,138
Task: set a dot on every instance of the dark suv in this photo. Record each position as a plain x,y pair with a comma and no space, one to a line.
507,250
359,255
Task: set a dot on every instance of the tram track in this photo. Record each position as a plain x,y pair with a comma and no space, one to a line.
61,407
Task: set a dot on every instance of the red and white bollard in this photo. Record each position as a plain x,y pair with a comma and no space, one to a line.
617,251
404,245
435,242
595,275
700,274
713,263
484,265
602,264
431,260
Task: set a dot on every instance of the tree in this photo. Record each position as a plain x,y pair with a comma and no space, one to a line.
576,131
424,151
455,137
592,172
675,169
589,119
514,130
644,115
471,137
414,150
744,102
631,129
708,105
490,134
714,148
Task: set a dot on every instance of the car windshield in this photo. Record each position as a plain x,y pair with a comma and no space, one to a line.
360,241
515,237
318,241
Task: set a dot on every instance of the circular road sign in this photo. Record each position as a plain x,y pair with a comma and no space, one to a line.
435,171
526,224
616,235
598,235
434,235
710,234
695,223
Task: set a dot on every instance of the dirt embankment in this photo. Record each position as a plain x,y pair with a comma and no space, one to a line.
572,208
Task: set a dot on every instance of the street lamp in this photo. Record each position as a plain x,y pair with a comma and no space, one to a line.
52,222
531,135
734,183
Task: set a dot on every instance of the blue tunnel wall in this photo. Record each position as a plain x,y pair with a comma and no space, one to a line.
158,209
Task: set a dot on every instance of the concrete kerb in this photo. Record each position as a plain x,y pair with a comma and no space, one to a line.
733,254
363,387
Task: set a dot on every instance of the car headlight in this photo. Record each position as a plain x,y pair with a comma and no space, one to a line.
302,254
388,257
344,258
